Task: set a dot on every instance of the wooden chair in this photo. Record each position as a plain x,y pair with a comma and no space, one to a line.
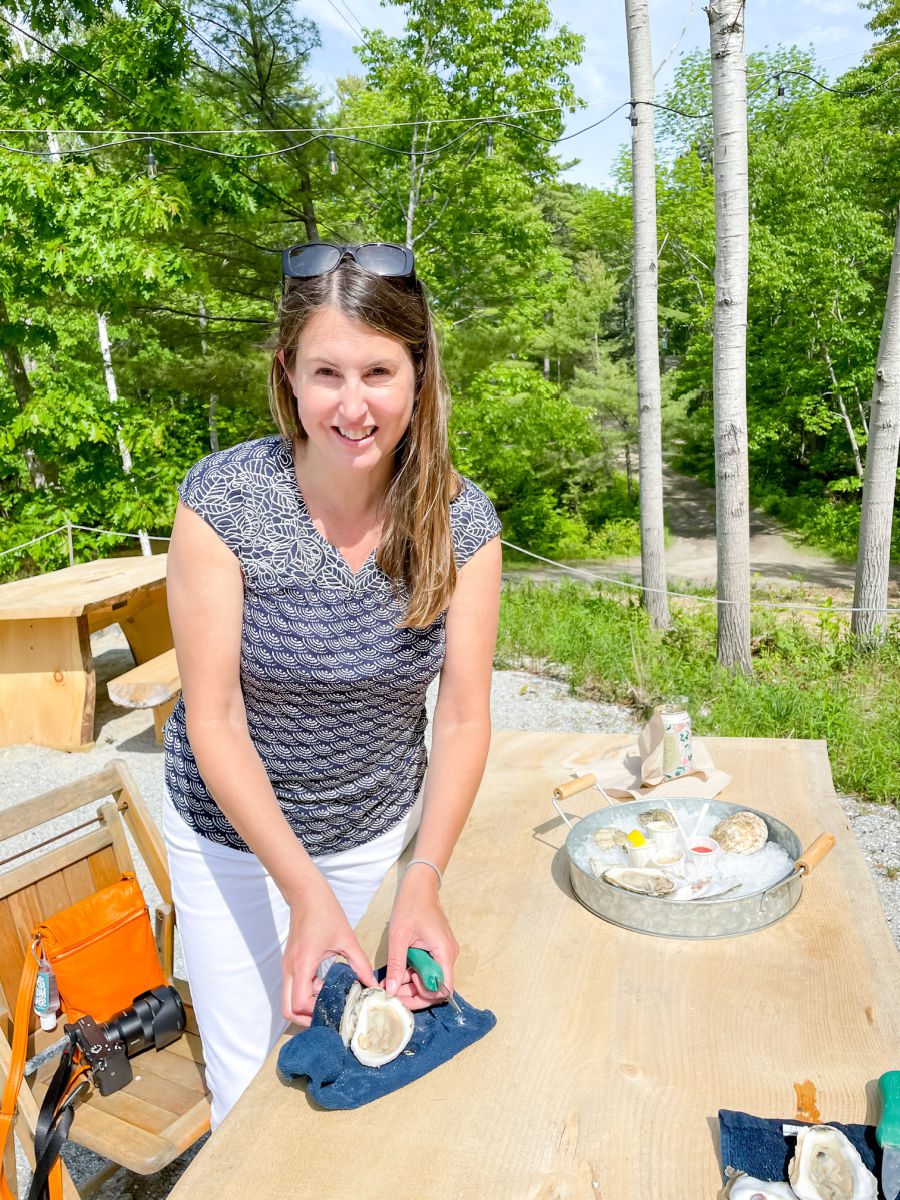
165,1109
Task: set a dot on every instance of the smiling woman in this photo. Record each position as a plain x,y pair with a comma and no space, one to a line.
318,581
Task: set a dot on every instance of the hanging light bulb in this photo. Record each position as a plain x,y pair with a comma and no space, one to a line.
632,116
151,164
782,97
332,159
489,144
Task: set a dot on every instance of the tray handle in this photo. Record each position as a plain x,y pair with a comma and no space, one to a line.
571,788
813,855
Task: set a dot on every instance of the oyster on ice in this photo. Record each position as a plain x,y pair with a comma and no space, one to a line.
608,838
639,879
661,817
741,833
740,1186
376,1027
827,1166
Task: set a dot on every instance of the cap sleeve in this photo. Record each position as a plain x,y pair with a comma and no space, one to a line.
213,488
473,520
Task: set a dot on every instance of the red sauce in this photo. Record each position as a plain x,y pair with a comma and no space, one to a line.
702,849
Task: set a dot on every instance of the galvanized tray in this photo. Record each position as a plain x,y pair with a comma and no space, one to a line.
727,916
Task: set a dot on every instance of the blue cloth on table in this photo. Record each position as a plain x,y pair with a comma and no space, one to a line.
338,1080
758,1146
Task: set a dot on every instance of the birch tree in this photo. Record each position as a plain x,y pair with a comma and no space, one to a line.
646,326
729,101
874,552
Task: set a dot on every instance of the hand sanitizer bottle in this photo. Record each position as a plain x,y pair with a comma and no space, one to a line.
46,995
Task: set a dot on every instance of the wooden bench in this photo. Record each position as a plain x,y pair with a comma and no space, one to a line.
153,684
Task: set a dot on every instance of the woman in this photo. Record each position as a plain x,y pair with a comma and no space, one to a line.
317,582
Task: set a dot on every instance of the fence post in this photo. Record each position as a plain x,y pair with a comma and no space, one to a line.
71,546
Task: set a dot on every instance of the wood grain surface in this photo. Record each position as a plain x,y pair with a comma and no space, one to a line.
73,591
613,1050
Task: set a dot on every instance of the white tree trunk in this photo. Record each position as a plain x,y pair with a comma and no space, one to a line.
112,389
646,326
874,553
729,102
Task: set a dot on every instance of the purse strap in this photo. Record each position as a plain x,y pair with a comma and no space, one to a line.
22,1020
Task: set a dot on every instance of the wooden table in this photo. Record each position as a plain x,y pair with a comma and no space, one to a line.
613,1050
47,684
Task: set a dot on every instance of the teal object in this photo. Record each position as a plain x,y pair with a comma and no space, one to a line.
887,1133
430,971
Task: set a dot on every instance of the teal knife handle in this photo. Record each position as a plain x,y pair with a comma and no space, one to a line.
427,969
887,1132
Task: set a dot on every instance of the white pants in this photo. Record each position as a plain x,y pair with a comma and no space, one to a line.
233,923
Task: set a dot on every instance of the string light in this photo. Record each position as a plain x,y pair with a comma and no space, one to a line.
151,164
489,144
332,159
632,115
782,95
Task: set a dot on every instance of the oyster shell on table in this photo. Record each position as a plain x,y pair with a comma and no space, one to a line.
641,880
375,1027
741,833
740,1186
660,817
827,1166
609,838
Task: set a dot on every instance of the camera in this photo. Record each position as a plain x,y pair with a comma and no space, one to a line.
156,1019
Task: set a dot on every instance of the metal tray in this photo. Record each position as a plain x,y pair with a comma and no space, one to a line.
728,916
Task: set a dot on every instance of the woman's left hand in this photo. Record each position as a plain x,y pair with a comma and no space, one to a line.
418,920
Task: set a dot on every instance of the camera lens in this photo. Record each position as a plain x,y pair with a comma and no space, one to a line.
156,1018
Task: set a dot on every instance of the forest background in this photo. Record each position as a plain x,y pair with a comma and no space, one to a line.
448,142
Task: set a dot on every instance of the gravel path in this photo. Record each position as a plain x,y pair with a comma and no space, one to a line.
519,700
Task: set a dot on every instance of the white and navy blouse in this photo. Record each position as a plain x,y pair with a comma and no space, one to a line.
334,689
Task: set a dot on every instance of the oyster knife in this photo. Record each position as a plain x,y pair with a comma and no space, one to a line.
887,1134
430,972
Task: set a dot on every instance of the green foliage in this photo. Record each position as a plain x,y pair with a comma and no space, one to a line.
808,682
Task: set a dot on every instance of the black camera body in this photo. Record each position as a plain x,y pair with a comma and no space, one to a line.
155,1019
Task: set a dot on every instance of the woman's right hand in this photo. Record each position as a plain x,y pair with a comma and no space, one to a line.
319,930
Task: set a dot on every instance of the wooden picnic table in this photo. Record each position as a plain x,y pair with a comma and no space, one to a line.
613,1050
47,683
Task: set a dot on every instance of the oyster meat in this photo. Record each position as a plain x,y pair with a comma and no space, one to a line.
641,880
741,833
609,838
659,817
740,1186
827,1166
376,1027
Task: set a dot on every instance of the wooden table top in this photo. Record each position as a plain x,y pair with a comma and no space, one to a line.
613,1050
73,591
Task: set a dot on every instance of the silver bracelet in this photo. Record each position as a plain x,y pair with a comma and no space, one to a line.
426,862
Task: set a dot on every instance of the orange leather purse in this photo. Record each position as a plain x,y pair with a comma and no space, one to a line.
103,954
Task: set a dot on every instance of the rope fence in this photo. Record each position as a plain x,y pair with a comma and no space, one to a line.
581,572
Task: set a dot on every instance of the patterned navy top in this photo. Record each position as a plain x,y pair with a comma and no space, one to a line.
334,690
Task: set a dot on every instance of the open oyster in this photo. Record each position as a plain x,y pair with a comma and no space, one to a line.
639,879
741,833
607,838
739,1186
827,1166
659,817
376,1027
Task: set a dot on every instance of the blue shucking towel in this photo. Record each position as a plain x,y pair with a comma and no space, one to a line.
758,1146
338,1080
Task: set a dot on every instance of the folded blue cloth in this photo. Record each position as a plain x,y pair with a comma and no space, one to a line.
758,1146
338,1080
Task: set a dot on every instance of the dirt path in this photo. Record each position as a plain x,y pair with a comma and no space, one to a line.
690,508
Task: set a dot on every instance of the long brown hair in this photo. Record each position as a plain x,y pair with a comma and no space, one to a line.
416,548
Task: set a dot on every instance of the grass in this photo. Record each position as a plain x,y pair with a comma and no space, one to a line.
808,681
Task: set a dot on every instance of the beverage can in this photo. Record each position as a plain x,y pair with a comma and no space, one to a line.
678,753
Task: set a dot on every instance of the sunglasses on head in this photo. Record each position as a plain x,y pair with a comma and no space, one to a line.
319,258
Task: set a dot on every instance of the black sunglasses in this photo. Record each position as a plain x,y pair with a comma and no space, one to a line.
319,258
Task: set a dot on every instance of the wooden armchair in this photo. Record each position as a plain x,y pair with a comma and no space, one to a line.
165,1109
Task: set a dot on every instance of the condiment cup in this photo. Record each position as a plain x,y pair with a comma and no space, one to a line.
673,863
665,839
639,856
703,852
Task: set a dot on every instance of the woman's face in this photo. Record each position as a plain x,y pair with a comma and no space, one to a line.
355,389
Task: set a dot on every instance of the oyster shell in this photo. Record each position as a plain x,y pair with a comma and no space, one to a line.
741,833
639,879
740,1186
657,816
376,1027
827,1166
608,838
